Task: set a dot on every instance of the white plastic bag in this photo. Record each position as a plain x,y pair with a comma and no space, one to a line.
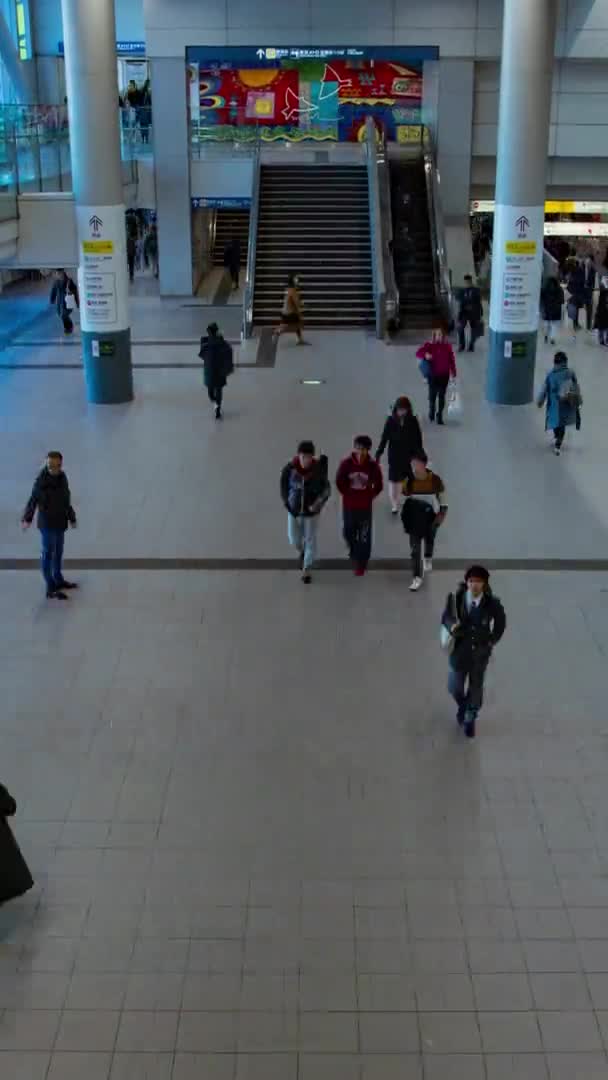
454,401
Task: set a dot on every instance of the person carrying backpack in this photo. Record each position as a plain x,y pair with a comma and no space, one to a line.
562,398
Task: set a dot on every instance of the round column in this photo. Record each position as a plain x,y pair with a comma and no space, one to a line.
89,32
528,46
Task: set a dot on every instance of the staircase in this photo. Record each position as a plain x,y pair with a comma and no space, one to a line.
230,224
314,221
414,268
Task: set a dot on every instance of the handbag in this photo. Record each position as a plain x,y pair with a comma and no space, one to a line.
454,401
446,636
425,368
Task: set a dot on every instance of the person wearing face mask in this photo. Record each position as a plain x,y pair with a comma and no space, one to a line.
304,490
51,498
291,315
359,481
403,437
475,621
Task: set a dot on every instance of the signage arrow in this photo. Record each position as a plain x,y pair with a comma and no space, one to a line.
261,53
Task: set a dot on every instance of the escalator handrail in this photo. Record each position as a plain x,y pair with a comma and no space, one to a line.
375,221
248,292
386,207
443,283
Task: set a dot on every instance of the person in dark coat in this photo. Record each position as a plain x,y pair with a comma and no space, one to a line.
51,498
590,277
551,304
578,292
601,316
232,260
131,255
471,312
305,489
475,620
64,295
15,877
216,354
562,398
403,437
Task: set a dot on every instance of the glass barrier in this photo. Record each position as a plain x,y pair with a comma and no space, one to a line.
243,132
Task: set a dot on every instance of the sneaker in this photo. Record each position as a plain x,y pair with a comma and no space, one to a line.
557,451
307,577
218,413
439,418
416,584
301,560
359,570
68,585
432,416
394,509
55,594
469,726
471,348
428,565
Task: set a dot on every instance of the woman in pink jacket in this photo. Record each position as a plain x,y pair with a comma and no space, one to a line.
439,366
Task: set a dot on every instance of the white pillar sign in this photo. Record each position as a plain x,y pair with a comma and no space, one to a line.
517,256
103,275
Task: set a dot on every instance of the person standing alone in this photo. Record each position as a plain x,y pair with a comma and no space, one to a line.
51,498
475,621
304,490
216,354
359,481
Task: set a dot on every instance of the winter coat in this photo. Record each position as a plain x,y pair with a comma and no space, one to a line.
471,309
442,362
551,302
15,878
59,292
473,640
601,312
403,438
559,411
359,483
216,355
304,494
51,497
577,286
232,255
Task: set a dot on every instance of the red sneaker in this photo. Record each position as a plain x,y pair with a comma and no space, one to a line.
359,571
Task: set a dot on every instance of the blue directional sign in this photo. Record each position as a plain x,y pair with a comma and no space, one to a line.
123,48
206,202
235,56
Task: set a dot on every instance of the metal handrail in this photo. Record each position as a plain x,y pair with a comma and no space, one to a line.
443,282
248,292
375,219
386,219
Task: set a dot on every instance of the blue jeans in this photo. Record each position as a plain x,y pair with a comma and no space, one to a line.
302,533
52,556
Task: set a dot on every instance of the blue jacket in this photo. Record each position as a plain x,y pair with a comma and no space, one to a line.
558,411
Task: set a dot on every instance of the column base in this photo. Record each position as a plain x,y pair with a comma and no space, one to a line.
107,367
510,374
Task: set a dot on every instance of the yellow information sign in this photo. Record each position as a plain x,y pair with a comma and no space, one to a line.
409,133
520,247
98,247
553,207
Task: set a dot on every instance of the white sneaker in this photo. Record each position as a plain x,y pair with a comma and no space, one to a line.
416,583
394,509
428,565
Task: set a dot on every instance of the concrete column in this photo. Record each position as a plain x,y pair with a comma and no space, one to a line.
172,175
528,46
89,34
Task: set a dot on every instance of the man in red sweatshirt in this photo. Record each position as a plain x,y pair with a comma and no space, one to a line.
359,481
438,365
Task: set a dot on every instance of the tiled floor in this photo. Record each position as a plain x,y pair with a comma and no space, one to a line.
262,850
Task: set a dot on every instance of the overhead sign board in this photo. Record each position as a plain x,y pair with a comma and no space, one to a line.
254,56
552,206
123,48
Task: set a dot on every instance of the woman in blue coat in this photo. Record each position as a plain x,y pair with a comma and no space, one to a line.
562,398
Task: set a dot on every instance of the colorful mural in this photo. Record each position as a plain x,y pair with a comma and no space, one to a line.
311,99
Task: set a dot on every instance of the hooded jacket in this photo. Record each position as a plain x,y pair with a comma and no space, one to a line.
305,492
51,497
403,438
359,483
216,354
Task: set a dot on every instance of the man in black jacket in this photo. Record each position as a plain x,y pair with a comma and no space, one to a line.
304,490
51,497
476,621
216,354
471,312
64,295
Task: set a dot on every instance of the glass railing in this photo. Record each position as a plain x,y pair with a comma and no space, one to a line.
35,146
243,132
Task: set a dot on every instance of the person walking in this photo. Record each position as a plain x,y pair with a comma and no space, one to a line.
232,261
470,312
403,437
218,365
304,490
577,294
551,304
291,315
438,366
64,295
562,398
52,499
131,254
151,249
473,622
15,877
590,277
601,315
359,481
424,511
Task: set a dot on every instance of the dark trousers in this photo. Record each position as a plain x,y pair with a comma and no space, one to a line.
235,275
462,324
131,265
417,544
559,433
589,313
216,395
465,684
68,325
51,557
438,385
357,528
